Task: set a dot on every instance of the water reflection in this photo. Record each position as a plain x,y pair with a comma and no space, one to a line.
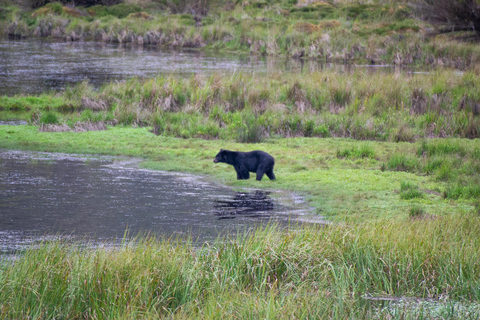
35,66
256,204
99,198
13,123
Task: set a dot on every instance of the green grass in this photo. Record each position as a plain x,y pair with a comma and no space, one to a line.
416,212
26,103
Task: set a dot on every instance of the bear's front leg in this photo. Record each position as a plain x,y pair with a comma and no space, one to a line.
242,173
260,174
239,175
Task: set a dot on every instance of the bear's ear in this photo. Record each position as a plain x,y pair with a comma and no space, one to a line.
221,149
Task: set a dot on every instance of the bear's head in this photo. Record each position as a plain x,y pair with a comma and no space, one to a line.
220,157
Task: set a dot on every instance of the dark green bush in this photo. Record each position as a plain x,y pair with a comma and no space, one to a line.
249,130
250,133
309,127
440,147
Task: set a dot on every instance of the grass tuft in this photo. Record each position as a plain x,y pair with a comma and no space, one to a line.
49,118
363,151
409,191
416,212
402,162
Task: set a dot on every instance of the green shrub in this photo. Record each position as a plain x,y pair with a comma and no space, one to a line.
366,151
403,133
158,123
321,131
445,171
476,153
340,95
432,164
346,153
89,115
440,147
309,128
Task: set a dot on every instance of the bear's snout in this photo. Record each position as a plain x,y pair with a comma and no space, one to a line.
215,160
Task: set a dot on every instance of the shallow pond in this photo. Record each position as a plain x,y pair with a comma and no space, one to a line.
35,66
45,195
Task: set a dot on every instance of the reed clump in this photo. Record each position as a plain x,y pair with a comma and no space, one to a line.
318,272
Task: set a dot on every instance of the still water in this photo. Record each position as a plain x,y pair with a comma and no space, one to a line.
35,66
45,195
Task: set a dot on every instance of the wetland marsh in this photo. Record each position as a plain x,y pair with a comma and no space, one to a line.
391,159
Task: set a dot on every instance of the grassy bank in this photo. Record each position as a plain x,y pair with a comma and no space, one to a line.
378,32
319,273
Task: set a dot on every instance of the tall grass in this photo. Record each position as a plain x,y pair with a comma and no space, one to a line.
313,273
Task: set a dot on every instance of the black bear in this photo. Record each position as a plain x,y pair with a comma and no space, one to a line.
256,161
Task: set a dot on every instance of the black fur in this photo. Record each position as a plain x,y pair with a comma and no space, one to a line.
256,161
